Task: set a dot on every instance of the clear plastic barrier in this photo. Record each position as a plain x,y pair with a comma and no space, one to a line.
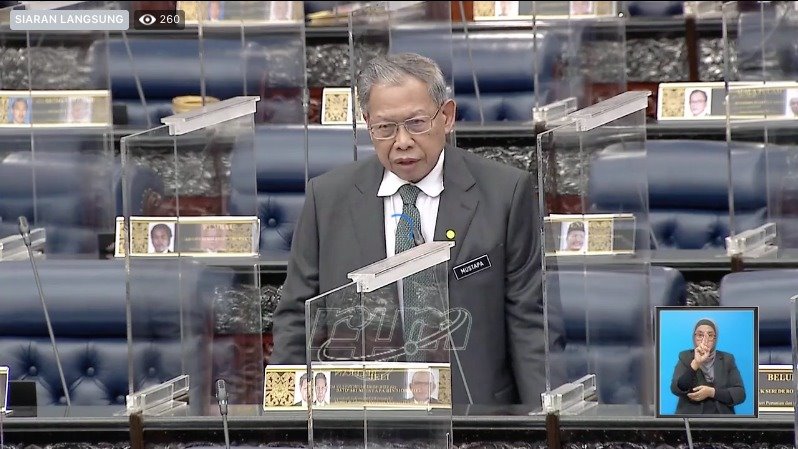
581,51
379,352
596,289
761,122
193,283
56,137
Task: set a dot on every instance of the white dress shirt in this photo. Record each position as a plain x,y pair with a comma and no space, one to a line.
427,203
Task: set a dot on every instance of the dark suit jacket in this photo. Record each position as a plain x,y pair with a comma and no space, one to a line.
729,389
493,210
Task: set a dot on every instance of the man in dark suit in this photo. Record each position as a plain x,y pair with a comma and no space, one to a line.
441,193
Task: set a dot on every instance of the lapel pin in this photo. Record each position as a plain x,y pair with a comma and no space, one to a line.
450,234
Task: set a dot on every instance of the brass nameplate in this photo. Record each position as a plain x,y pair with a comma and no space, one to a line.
238,13
346,386
503,10
777,100
54,108
589,234
217,236
776,388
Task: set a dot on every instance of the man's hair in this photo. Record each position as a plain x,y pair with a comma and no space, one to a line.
431,376
393,69
20,100
162,227
703,94
320,376
576,226
303,378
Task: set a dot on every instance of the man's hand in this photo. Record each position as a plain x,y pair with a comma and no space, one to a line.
701,392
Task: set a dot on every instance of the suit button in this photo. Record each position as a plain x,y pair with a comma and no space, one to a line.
90,371
151,372
120,399
272,222
62,400
33,371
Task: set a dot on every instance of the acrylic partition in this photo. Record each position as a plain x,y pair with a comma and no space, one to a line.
56,136
579,53
193,284
761,115
598,306
380,358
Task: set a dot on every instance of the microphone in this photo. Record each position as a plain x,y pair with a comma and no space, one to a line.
221,396
24,231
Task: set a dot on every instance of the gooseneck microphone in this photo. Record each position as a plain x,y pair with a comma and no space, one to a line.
24,231
221,396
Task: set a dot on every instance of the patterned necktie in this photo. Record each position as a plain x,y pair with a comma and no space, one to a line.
416,287
410,222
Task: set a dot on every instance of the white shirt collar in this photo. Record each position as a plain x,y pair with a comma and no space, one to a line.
431,185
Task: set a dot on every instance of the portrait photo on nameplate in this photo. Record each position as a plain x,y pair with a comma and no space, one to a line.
219,236
346,386
54,108
150,236
707,360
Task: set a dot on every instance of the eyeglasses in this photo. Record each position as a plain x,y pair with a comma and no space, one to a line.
710,335
415,125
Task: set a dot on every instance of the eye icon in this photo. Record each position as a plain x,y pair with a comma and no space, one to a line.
147,19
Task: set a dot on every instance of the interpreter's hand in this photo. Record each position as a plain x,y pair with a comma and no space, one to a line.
701,353
701,392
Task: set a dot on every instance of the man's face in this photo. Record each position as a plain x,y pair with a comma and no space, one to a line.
698,102
213,239
303,389
20,108
409,156
160,240
321,389
421,386
794,105
575,240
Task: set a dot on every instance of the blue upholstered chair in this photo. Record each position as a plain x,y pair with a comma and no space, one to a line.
688,188
86,302
280,172
269,65
74,192
604,313
502,62
771,291
655,9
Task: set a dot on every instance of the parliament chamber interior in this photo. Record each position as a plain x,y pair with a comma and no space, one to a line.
620,171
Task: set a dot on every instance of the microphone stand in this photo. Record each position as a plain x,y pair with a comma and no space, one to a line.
221,396
24,230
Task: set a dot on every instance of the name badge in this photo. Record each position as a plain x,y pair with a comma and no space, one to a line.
471,267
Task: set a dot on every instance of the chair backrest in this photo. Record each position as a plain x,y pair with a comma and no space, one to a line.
688,188
605,334
770,290
280,175
86,300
